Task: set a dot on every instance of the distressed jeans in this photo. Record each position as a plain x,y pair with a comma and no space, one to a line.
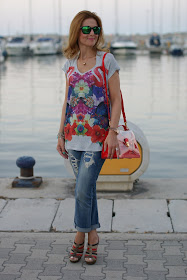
86,167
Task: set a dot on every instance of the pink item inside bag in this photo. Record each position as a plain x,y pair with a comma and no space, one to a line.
127,144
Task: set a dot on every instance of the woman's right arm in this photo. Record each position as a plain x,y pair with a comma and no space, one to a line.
61,142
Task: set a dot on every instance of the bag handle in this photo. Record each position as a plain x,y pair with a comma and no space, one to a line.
122,104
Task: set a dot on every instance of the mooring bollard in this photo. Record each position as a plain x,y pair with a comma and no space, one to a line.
26,178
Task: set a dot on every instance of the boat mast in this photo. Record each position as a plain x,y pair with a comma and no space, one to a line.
60,17
30,20
86,5
54,16
173,17
153,15
131,20
180,38
161,16
23,24
116,17
101,7
178,16
147,20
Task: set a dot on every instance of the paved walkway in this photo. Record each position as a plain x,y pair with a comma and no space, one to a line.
143,234
44,256
115,215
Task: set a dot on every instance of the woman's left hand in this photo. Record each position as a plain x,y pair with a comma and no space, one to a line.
111,142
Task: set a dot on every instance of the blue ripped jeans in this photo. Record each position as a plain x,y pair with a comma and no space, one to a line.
86,167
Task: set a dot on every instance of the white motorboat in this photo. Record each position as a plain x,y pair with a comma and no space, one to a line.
46,45
123,47
17,46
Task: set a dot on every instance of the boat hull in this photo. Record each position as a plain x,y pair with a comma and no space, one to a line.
123,51
45,48
17,51
123,47
176,50
2,58
155,50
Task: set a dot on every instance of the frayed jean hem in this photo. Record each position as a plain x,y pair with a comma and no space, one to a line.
87,229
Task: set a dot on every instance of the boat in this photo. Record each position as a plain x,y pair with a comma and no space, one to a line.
120,45
3,42
18,46
46,46
123,47
176,50
2,58
154,44
185,48
177,46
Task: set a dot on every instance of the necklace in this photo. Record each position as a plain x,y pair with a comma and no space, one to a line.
84,63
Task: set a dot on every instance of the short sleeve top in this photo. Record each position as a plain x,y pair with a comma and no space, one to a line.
86,119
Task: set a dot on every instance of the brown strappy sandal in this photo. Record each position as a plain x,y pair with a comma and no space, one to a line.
91,253
76,252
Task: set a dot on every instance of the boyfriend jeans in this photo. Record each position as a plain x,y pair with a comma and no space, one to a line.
86,167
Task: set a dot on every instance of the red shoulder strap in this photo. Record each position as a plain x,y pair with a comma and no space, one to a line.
122,104
104,74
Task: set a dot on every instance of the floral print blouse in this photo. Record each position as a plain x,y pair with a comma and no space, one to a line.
86,119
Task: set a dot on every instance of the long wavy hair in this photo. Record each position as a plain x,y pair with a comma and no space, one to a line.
72,48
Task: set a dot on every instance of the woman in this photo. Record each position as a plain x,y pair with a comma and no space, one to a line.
84,122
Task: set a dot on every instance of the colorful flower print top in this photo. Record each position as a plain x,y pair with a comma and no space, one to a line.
86,119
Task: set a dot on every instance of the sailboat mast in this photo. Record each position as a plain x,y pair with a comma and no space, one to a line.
101,8
131,20
23,24
86,5
116,17
147,20
173,16
161,16
153,15
54,16
30,20
60,17
178,16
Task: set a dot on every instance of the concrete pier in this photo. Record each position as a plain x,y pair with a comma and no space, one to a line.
143,234
154,205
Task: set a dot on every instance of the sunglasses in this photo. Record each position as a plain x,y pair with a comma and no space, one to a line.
87,29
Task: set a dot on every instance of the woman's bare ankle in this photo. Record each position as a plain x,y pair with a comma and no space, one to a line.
93,237
79,237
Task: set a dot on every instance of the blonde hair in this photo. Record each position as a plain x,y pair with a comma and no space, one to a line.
72,48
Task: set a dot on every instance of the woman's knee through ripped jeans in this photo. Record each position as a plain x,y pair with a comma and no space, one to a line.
86,167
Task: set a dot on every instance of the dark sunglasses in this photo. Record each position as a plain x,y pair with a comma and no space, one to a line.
87,29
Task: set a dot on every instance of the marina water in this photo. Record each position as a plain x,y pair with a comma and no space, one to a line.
31,97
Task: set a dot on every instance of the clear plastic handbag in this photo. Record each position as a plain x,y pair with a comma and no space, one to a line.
127,142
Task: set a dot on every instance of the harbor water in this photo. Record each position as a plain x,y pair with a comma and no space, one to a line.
31,97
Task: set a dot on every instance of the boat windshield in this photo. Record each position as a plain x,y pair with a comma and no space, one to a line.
17,40
44,39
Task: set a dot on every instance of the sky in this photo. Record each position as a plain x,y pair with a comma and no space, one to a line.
118,16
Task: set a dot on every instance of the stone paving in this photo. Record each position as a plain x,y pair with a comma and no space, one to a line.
116,215
143,234
41,256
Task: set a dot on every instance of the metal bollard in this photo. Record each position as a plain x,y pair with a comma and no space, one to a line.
26,178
